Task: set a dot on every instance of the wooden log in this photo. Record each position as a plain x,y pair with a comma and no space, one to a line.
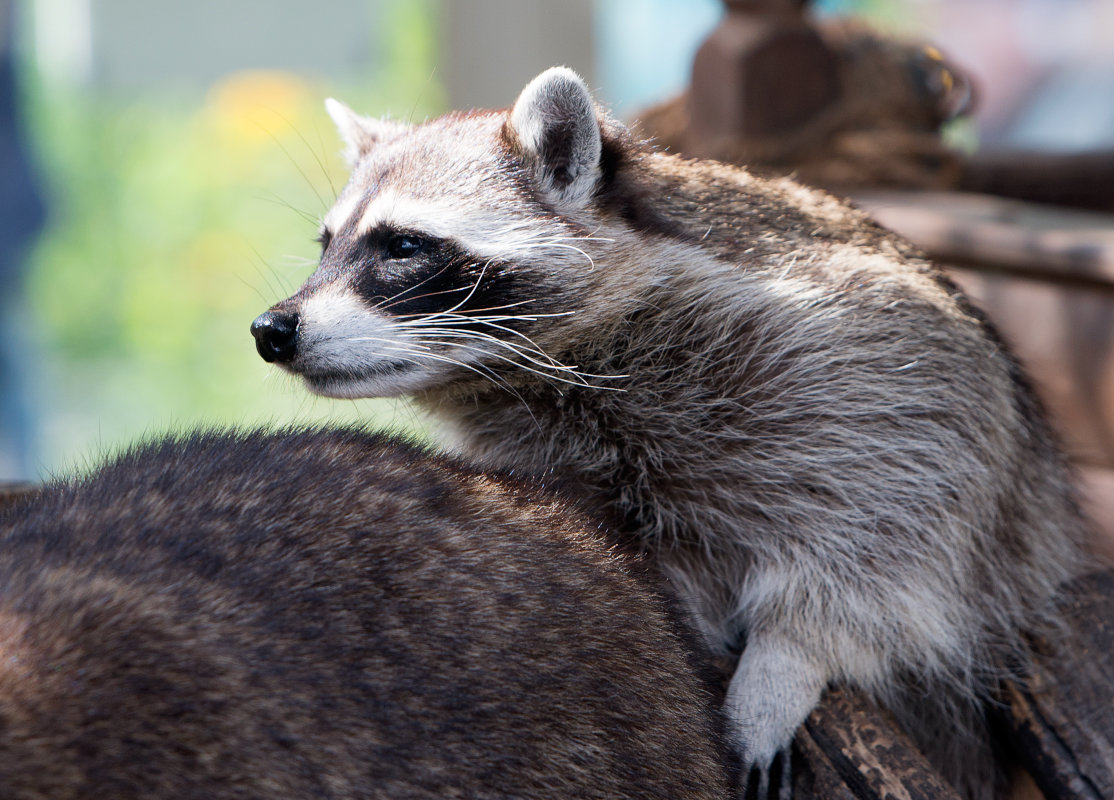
851,748
1061,721
995,233
1082,180
1057,722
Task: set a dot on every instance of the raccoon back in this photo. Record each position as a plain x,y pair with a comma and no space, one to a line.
331,614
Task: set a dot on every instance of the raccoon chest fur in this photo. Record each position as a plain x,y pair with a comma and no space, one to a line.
768,450
825,447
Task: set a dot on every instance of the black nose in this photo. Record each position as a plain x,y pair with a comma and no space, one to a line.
275,335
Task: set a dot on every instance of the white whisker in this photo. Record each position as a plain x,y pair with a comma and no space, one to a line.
425,353
552,375
470,333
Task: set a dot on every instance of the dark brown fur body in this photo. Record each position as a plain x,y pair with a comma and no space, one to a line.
333,615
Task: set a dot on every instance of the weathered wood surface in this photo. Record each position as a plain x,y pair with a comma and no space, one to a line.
993,232
850,749
1062,721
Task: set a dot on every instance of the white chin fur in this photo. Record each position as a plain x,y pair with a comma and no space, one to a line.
348,350
395,385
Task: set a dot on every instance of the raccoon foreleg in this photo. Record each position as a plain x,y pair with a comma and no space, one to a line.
775,686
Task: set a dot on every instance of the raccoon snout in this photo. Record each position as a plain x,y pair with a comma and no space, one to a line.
275,335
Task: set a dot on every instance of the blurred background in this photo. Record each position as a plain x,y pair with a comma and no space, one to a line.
165,165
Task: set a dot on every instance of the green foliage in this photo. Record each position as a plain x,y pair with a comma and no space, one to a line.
892,15
175,221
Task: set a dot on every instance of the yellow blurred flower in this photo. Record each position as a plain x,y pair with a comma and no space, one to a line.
255,105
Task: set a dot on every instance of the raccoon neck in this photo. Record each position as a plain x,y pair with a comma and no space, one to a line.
685,305
670,387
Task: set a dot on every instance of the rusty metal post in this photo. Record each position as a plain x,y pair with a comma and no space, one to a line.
763,72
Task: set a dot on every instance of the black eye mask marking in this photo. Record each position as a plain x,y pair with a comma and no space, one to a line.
408,274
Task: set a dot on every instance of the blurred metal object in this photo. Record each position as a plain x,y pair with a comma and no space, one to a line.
836,103
762,72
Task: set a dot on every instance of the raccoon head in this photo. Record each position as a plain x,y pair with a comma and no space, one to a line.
454,251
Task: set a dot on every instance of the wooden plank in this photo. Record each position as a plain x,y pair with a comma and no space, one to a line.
1047,241
1061,720
1082,180
1058,722
852,748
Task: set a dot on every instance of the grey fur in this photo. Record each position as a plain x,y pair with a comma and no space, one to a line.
822,443
558,136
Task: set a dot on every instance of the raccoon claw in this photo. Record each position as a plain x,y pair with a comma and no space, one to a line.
771,782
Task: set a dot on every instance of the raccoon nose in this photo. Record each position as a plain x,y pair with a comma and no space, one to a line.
275,335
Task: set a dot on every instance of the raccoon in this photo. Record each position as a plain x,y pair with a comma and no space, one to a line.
325,613
824,446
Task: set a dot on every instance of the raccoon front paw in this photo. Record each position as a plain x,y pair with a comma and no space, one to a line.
774,688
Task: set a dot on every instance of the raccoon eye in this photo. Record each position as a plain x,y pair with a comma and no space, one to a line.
323,238
404,246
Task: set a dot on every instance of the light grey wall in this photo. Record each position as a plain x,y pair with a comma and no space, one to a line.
141,43
492,48
488,49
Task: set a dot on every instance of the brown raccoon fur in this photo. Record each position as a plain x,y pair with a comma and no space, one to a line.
817,437
333,615
883,131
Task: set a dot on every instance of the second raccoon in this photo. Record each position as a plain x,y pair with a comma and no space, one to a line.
309,614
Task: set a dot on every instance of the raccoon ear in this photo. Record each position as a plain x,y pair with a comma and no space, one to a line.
554,122
359,133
